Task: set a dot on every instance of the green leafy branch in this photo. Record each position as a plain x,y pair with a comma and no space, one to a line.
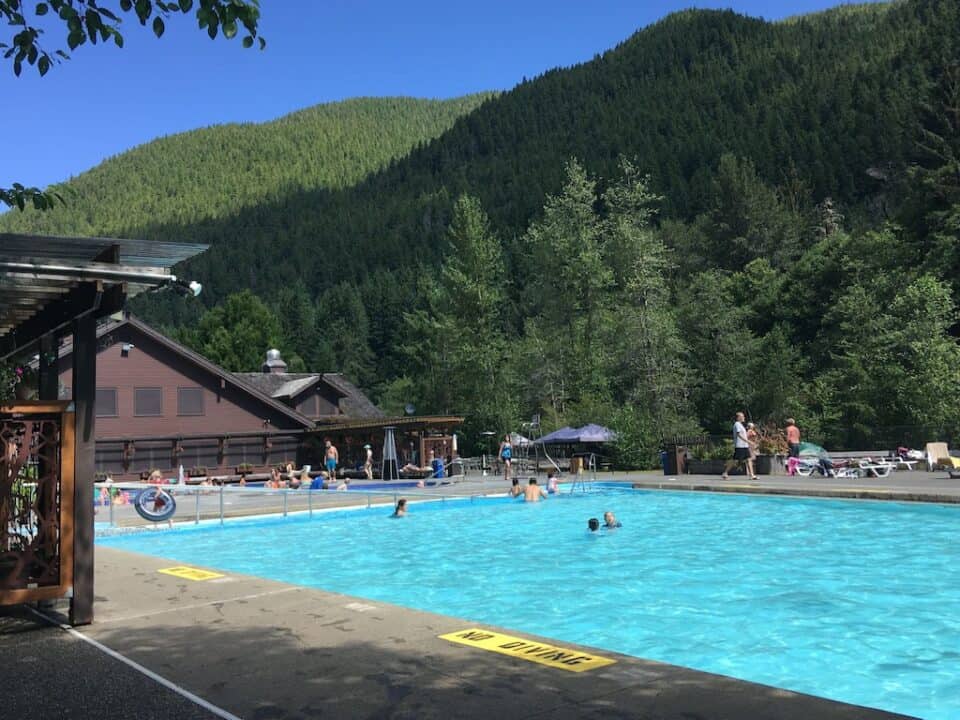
92,21
19,196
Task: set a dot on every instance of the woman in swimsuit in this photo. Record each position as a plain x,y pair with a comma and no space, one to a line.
506,454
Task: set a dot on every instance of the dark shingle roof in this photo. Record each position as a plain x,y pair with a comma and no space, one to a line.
273,383
353,403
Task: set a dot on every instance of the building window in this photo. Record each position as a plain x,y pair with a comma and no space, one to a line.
308,406
148,402
190,401
106,402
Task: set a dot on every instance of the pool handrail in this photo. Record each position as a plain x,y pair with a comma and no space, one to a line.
225,489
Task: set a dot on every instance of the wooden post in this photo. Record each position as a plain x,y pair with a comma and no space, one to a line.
84,396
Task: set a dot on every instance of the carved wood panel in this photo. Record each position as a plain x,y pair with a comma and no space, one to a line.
36,502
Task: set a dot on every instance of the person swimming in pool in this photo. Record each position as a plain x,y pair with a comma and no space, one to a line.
610,521
593,525
401,509
553,486
533,492
515,489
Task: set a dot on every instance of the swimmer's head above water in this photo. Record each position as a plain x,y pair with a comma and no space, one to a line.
593,524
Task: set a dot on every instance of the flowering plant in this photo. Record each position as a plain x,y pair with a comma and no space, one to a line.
16,380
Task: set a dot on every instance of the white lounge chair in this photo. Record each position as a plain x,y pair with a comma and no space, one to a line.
880,469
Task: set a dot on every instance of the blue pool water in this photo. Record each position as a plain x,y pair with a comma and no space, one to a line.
855,601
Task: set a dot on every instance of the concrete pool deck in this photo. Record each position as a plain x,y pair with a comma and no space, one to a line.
904,486
264,650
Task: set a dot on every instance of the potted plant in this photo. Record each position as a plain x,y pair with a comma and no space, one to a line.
198,471
771,450
244,469
710,459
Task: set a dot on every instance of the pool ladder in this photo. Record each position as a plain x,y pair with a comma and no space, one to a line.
580,479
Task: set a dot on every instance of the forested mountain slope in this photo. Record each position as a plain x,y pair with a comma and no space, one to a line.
814,104
214,172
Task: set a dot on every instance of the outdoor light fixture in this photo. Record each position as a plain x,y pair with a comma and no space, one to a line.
188,289
126,348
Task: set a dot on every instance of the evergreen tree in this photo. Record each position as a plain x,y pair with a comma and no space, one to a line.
237,333
464,327
652,374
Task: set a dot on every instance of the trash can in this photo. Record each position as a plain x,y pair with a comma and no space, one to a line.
437,465
673,460
576,465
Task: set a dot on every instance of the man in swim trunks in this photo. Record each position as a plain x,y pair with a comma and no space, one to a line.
331,459
793,438
533,492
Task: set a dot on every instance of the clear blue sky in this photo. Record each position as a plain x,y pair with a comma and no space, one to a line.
106,100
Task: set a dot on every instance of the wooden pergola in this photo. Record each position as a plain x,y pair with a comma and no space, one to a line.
427,432
51,287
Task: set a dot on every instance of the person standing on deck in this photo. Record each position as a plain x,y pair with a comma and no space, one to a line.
741,448
368,462
793,438
506,454
331,460
753,437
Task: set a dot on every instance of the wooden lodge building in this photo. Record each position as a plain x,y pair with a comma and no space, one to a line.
160,405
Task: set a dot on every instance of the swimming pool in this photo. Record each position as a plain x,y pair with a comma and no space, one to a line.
856,601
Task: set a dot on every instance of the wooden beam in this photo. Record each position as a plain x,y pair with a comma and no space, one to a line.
84,398
90,297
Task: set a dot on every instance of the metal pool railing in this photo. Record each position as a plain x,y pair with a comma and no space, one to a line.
219,502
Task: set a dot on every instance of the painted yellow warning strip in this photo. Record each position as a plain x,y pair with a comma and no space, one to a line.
550,655
189,573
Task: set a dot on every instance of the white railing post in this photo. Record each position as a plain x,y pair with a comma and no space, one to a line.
196,520
310,500
222,483
284,502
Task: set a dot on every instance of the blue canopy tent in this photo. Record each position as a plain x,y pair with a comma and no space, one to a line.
586,435
595,434
563,436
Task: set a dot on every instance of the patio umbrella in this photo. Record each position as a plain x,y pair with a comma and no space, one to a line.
519,440
812,450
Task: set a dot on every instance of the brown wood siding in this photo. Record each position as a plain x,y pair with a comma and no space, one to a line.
318,401
149,364
197,454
